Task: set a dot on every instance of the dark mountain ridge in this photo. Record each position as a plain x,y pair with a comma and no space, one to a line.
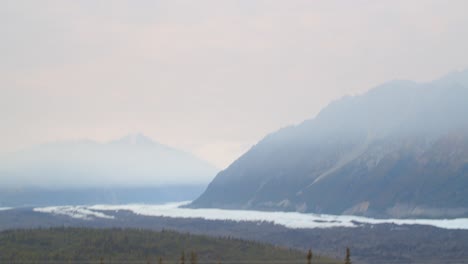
399,150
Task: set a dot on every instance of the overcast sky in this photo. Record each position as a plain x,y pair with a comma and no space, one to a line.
209,77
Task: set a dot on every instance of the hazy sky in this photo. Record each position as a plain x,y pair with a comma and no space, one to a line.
210,77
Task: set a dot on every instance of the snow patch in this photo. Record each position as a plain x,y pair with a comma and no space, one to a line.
79,212
288,219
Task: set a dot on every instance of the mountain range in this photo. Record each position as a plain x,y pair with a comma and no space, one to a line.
131,169
398,150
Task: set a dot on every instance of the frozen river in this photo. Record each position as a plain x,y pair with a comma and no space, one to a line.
287,219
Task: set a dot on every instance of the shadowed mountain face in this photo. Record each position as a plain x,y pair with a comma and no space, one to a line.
399,150
131,169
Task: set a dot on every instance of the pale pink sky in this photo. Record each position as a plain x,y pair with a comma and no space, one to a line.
209,77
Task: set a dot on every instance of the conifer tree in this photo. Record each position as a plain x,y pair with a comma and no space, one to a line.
309,257
348,256
182,258
193,258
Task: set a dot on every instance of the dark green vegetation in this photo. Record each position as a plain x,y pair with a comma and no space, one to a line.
369,244
399,150
132,245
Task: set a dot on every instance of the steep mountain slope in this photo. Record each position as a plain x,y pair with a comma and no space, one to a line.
131,169
399,150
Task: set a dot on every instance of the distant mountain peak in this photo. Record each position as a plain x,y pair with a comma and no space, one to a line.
135,139
133,160
457,77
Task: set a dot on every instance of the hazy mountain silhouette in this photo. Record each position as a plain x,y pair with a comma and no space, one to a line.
400,150
131,169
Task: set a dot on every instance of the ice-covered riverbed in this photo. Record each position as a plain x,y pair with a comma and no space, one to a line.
287,219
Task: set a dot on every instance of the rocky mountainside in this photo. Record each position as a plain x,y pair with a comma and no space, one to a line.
399,150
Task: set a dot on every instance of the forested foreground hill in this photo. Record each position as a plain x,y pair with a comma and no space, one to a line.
86,245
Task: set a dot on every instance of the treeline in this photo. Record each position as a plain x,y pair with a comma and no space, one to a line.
85,245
